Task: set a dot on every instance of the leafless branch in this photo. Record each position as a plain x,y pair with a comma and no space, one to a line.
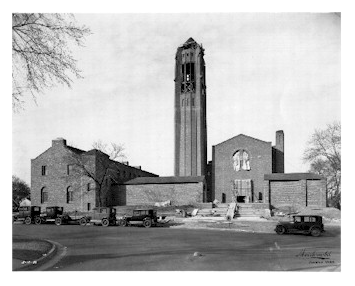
40,52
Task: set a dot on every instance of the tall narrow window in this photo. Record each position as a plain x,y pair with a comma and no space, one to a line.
188,77
70,197
260,196
69,169
188,72
44,170
89,207
44,195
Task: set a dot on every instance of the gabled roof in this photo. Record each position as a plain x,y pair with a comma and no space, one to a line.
292,176
95,152
75,150
164,180
243,135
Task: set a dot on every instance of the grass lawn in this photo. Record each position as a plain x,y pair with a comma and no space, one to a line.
29,249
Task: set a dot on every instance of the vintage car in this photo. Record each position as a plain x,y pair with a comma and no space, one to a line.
55,214
50,215
305,224
102,215
29,214
146,217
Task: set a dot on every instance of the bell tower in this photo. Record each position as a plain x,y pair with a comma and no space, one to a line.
190,110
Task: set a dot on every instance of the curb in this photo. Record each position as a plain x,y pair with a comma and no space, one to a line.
44,260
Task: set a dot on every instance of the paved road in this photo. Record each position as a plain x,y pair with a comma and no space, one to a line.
138,248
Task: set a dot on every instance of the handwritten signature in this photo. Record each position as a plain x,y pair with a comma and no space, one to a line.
316,257
314,254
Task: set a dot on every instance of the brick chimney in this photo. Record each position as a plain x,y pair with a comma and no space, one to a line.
59,142
279,153
280,141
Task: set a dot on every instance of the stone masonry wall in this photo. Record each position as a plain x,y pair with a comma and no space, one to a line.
288,193
316,193
300,193
178,194
57,181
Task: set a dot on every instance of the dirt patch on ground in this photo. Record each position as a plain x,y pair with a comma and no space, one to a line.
264,226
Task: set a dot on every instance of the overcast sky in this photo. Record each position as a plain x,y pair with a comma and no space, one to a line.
264,72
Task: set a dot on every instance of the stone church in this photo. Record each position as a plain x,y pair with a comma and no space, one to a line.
243,169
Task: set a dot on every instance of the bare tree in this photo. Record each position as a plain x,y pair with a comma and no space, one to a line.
115,151
324,155
102,171
40,53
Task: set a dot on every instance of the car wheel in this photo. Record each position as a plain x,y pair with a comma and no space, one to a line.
147,223
28,220
83,221
280,229
122,222
105,222
58,221
38,220
315,231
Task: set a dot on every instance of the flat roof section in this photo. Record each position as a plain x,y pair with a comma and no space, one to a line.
164,180
292,176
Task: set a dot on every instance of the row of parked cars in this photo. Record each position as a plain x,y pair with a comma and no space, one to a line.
105,216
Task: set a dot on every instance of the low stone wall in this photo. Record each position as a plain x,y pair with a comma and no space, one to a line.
178,194
298,193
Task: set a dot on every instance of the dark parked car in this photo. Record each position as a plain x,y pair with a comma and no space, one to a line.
56,215
146,217
103,215
28,215
52,214
305,224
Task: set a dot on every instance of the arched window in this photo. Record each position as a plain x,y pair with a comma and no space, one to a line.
70,195
241,160
44,195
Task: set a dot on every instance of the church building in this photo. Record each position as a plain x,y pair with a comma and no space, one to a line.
245,170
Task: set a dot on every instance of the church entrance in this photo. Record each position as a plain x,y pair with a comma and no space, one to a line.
242,191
